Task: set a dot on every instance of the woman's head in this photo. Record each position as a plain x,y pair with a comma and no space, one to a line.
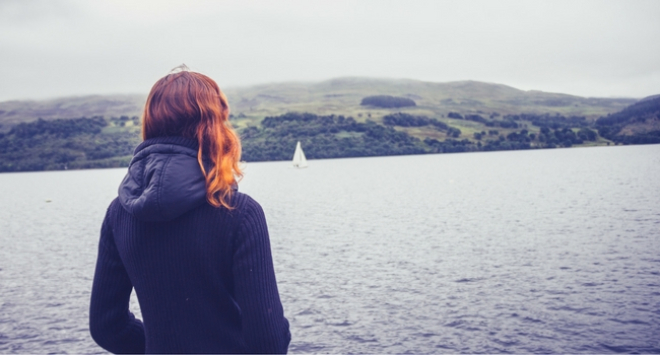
191,105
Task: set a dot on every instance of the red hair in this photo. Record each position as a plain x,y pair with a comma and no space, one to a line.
191,105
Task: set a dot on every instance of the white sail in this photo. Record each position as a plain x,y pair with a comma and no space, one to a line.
299,160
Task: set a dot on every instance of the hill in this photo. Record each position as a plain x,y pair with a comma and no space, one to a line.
636,124
337,96
108,142
332,120
343,97
15,112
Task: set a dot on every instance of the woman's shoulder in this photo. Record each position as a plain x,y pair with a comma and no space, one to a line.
244,203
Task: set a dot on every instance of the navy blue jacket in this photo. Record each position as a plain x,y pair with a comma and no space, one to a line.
203,276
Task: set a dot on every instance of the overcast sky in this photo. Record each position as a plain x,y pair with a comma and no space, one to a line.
588,48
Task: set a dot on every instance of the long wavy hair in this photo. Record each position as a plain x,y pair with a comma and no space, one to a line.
191,105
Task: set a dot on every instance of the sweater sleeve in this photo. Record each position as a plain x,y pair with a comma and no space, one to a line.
265,330
111,324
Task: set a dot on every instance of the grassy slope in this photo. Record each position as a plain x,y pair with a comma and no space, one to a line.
338,96
98,142
343,96
14,112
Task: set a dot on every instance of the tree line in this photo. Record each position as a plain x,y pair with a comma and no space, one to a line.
97,142
323,137
65,143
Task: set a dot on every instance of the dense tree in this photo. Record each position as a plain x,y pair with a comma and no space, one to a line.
324,137
405,120
453,132
547,120
641,112
586,134
476,118
61,128
387,101
65,143
98,142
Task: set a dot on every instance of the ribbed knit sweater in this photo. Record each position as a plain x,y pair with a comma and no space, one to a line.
203,276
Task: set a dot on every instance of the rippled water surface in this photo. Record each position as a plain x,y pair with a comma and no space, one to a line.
528,251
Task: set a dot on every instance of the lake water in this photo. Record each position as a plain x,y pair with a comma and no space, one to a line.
528,251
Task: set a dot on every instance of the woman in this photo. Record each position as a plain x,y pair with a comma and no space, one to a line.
196,250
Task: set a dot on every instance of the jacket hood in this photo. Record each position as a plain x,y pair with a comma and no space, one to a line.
164,180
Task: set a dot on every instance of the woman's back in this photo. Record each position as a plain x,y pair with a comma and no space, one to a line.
203,274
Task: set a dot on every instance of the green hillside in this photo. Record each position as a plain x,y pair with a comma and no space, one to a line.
15,112
636,124
343,96
77,143
338,96
336,118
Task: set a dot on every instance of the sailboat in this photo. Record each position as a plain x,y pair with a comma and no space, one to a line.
299,160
